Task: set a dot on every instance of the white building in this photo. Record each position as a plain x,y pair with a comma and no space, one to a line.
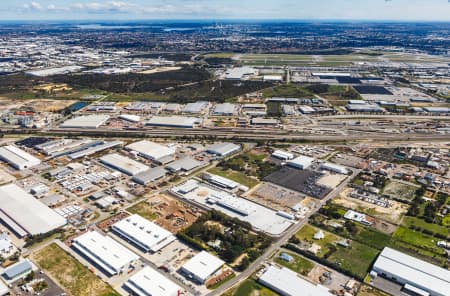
88,121
301,162
202,266
283,155
334,168
415,275
150,282
18,158
26,215
3,289
174,121
105,252
153,151
288,283
223,149
144,234
222,182
123,164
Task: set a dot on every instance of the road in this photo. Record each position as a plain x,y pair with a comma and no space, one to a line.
281,241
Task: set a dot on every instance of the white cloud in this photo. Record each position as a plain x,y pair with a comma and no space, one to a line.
33,6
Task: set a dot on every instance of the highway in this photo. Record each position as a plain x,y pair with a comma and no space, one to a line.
281,241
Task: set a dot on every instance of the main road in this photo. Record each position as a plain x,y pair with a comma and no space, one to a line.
281,241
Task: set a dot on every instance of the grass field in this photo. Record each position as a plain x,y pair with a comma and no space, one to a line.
70,273
235,176
369,291
307,233
250,288
417,239
416,222
143,209
357,258
299,264
288,90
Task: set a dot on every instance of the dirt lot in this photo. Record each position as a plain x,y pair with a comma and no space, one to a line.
170,213
393,214
43,105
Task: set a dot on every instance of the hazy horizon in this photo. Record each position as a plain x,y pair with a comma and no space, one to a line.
301,10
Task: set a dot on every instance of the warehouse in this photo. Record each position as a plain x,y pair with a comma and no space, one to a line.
150,175
24,214
288,283
88,121
195,108
105,252
221,181
283,155
150,282
223,149
184,164
123,164
142,233
19,269
154,151
18,158
415,275
438,110
130,117
301,162
364,108
93,148
3,289
333,168
174,121
201,267
226,109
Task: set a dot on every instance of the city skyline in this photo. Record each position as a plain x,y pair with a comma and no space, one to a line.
394,10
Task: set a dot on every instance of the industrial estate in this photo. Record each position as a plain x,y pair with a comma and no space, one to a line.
202,169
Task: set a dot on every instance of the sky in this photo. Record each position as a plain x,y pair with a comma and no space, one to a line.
397,10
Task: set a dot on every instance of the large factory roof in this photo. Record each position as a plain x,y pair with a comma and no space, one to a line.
174,121
143,233
124,164
88,121
25,214
223,149
183,164
288,283
151,150
203,265
150,175
104,251
18,158
150,282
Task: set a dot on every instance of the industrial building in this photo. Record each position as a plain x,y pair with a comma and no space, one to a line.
174,121
201,267
364,108
415,275
288,283
130,117
283,155
19,269
105,252
123,164
92,148
150,282
226,109
3,289
184,164
196,108
142,233
18,158
24,214
154,151
302,162
223,149
334,168
221,181
150,175
88,121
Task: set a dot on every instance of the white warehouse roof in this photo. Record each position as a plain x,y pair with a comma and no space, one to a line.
174,121
203,265
301,162
110,255
3,289
88,121
223,149
25,214
124,164
143,233
288,283
18,158
150,282
413,271
151,150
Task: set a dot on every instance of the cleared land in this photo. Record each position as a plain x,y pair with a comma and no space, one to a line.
239,177
400,190
251,288
144,209
70,273
298,264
